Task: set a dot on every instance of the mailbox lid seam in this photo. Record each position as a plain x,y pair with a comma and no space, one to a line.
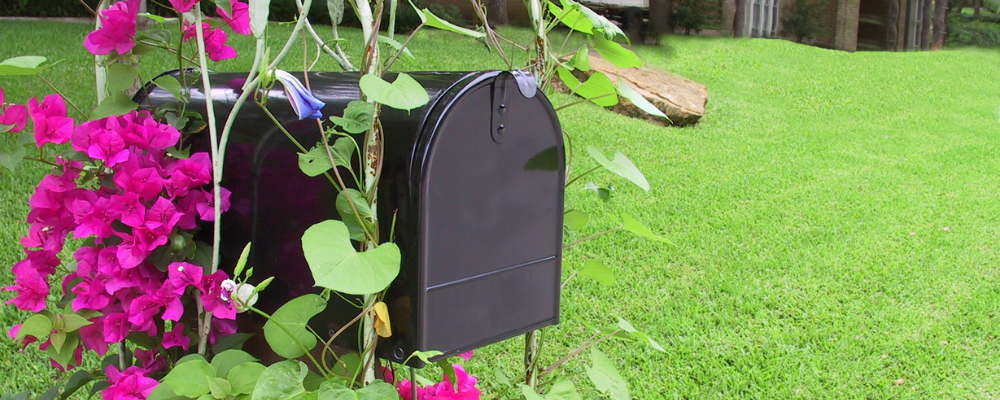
488,274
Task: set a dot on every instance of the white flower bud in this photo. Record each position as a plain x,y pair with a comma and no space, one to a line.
245,297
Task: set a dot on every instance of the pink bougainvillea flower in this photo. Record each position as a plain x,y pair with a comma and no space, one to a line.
117,31
221,328
142,310
240,20
215,41
187,174
90,294
31,288
116,327
176,338
467,355
131,384
152,361
92,336
183,6
214,298
443,390
182,274
14,114
51,123
25,341
130,207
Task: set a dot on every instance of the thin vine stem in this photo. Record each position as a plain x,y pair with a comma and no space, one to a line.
295,142
596,235
586,345
581,175
49,84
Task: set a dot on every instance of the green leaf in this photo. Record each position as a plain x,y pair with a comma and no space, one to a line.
620,165
599,272
37,326
188,378
627,327
636,227
562,389
616,54
449,372
165,392
64,354
77,381
348,365
605,376
73,322
191,357
376,391
121,76
352,221
337,266
157,18
294,316
97,387
115,104
575,219
572,18
281,380
219,388
58,339
404,93
23,65
234,341
170,84
10,160
598,88
357,116
602,26
581,60
243,378
639,100
500,377
317,160
50,394
225,5
429,19
258,17
242,261
529,393
426,356
225,361
395,45
603,193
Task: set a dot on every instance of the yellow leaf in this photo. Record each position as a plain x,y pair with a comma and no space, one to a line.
382,325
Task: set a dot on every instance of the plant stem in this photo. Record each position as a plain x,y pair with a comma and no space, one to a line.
581,176
403,47
100,71
78,110
532,351
586,345
592,237
292,138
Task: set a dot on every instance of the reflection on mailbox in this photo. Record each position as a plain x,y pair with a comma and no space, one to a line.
474,181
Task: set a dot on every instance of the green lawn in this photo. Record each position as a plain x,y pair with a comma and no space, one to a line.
834,215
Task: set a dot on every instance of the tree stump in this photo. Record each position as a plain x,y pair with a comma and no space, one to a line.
682,99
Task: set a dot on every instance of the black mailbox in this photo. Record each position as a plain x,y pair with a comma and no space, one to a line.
475,180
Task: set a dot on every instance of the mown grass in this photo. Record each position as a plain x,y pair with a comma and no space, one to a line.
834,217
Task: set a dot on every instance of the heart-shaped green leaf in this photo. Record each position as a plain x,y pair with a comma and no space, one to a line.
404,93
598,88
639,100
620,165
23,65
243,378
337,266
294,316
605,376
616,54
115,104
357,116
227,360
354,222
575,220
281,381
599,272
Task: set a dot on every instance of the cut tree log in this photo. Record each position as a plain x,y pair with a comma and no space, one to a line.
682,99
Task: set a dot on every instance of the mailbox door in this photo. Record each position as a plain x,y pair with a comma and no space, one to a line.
490,217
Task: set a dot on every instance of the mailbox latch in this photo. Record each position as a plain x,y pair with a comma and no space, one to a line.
503,86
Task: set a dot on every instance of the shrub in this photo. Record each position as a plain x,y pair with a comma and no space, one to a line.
970,32
692,15
801,19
